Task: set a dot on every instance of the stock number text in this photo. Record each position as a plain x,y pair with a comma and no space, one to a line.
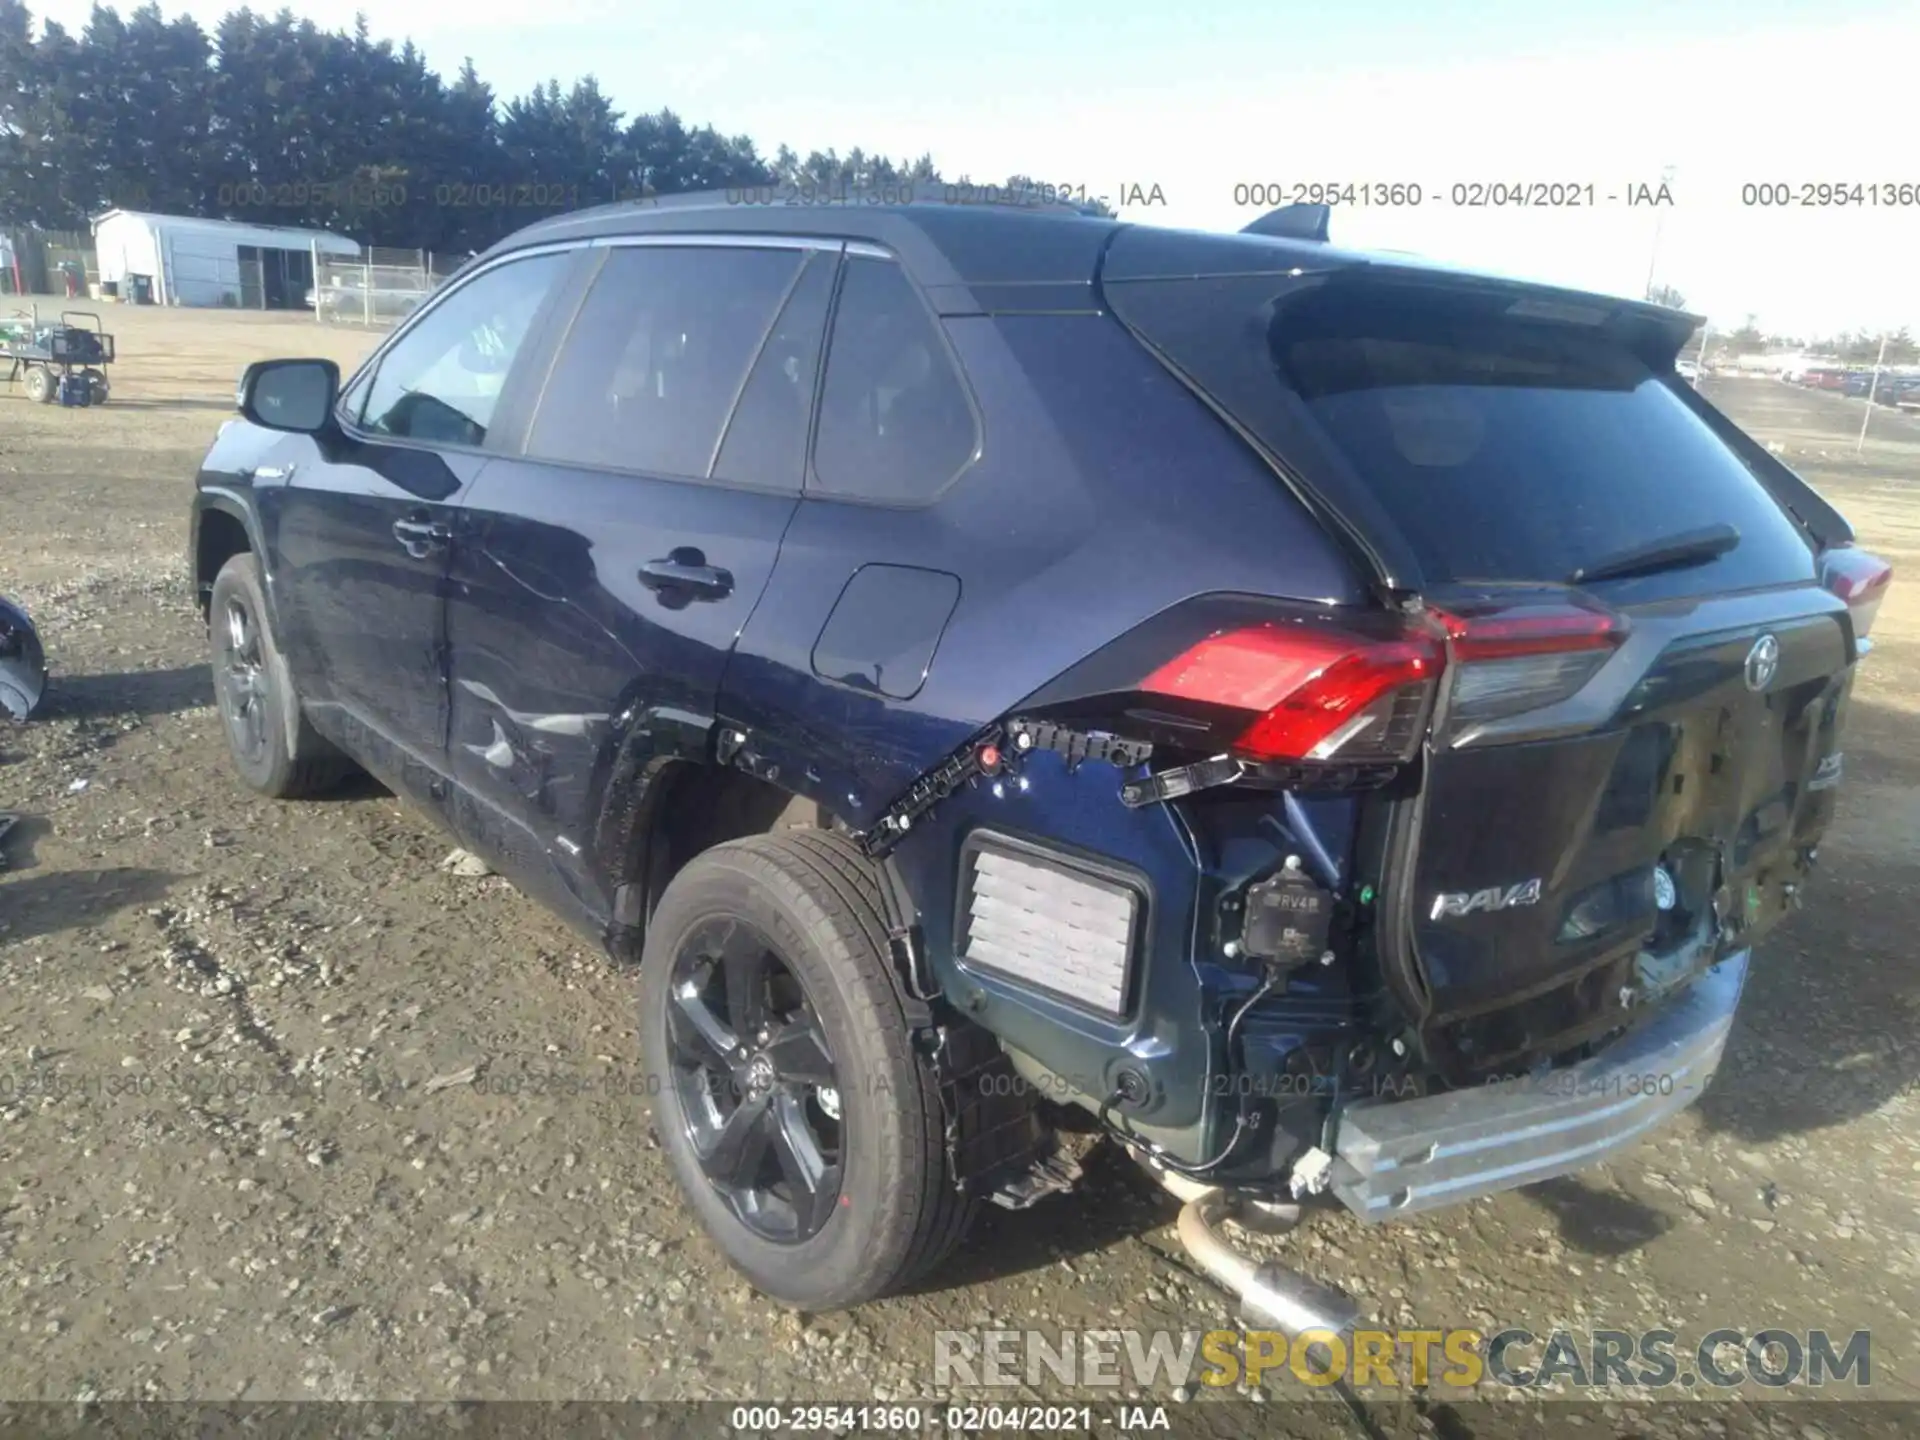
1271,194
1887,193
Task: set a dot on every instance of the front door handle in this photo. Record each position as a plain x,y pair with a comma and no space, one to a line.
685,575
420,538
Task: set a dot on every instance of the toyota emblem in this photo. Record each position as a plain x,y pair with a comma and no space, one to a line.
1763,661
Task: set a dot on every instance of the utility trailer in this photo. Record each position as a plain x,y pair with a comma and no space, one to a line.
64,361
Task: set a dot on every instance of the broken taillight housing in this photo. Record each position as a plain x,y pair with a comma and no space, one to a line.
1307,691
1333,696
1858,578
1515,655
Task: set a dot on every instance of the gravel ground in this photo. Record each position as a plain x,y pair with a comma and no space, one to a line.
259,1137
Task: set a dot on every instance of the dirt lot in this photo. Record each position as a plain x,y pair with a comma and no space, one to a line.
229,1165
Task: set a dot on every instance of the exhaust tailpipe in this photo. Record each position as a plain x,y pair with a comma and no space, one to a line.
1271,1297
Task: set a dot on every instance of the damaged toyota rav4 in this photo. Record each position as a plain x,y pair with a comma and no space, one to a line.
1333,724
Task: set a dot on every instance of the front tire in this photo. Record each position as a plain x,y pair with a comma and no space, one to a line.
253,690
40,384
799,1118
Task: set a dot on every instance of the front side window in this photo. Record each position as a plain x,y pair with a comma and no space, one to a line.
441,380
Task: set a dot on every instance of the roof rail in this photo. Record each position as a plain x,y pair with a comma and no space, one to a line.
1293,222
910,192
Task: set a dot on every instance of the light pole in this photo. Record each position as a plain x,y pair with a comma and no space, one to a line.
1659,219
1873,387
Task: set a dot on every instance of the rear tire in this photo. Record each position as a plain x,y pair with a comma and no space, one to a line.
253,690
814,902
97,386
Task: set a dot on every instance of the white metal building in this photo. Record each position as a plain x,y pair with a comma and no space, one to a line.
189,261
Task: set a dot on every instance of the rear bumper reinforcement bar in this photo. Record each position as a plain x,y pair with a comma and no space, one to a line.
1400,1157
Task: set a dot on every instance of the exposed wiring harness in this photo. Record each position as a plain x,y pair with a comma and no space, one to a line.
1244,1118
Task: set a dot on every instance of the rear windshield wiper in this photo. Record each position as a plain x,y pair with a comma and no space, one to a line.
1693,547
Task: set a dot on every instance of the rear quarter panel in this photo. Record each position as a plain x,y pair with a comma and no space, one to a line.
1103,493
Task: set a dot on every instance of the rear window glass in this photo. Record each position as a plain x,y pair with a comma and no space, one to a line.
1519,452
1495,447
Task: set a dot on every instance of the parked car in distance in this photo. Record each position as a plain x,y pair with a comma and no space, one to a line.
1180,769
349,298
1687,370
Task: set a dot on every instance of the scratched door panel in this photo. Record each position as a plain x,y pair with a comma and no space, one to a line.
594,580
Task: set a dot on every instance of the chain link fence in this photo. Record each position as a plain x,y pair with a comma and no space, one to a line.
38,262
378,287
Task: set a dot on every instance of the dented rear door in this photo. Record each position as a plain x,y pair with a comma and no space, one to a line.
602,577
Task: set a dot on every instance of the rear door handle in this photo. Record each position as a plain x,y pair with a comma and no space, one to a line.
420,538
684,575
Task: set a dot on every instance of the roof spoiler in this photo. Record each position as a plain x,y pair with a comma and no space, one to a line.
1293,222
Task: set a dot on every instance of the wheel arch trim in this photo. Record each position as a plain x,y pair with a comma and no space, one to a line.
650,747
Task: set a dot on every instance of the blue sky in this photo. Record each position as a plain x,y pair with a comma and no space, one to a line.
1199,99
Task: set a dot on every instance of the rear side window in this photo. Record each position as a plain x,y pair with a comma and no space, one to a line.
895,421
658,355
1515,452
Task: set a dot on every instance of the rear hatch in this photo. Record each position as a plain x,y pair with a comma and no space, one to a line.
1632,744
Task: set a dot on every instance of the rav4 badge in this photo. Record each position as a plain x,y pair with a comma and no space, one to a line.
1451,906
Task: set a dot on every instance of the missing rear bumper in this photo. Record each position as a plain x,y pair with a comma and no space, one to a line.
1400,1157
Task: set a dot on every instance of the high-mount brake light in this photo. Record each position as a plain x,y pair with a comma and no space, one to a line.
1311,692
1516,655
1860,579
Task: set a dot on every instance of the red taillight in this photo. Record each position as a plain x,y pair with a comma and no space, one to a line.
1324,690
1504,631
1513,656
1859,579
1313,692
1366,704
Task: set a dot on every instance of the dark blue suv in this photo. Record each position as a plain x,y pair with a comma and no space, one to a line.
1333,725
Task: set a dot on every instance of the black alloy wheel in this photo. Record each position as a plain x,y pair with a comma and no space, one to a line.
246,687
274,747
796,1106
755,1080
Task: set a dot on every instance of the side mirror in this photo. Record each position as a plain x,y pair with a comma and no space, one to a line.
296,395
